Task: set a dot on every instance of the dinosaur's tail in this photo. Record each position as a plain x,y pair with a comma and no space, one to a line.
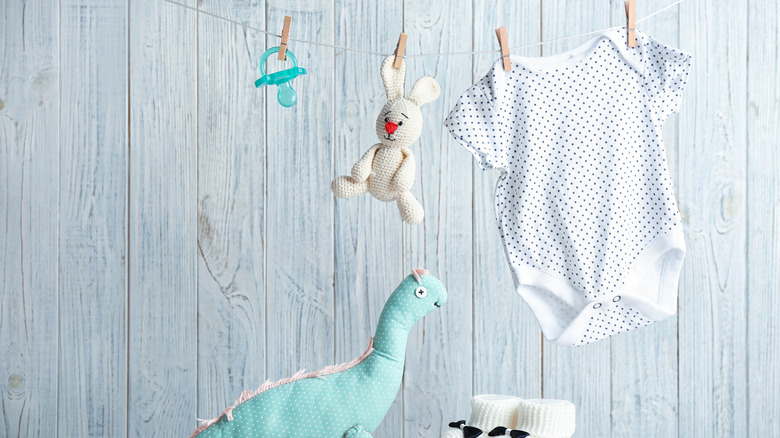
248,394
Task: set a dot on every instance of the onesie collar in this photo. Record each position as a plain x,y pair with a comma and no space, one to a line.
618,38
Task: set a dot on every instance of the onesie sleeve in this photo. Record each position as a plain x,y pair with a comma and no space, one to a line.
666,76
478,126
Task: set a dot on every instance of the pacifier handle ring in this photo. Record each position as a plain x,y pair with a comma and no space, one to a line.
270,52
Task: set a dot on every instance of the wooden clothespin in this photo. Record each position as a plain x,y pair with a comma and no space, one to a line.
503,42
631,25
285,35
400,48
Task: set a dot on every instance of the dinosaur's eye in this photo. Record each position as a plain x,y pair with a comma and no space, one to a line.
421,292
400,123
386,120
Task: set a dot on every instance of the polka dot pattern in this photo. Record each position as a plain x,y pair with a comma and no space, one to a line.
611,321
584,185
355,400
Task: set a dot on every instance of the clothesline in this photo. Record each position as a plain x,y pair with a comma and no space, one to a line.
368,52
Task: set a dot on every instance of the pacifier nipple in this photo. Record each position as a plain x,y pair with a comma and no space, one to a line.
286,95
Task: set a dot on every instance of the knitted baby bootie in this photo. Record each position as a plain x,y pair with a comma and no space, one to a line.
543,418
488,411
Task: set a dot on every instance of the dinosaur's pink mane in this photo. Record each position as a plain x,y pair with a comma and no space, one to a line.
248,394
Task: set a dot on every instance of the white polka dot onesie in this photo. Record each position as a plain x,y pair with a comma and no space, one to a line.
585,204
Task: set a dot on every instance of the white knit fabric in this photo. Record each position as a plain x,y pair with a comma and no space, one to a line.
585,201
544,418
387,169
489,411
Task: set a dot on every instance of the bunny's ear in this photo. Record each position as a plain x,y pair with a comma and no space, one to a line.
393,78
425,90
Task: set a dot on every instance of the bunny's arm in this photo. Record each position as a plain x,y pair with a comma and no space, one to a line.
404,176
362,169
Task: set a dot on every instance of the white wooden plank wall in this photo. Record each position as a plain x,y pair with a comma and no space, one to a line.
168,237
763,214
162,360
712,168
29,194
231,207
93,206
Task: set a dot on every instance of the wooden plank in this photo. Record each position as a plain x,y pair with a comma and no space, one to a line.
92,394
763,191
438,380
163,303
581,375
644,362
507,356
29,166
231,205
712,163
299,244
368,249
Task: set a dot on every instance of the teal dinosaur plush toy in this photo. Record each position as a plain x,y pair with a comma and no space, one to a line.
347,400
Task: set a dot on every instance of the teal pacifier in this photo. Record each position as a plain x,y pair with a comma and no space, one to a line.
285,93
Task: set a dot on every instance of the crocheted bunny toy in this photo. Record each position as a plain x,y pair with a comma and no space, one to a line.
387,169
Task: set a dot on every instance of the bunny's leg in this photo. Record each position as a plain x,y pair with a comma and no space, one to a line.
411,210
357,432
347,187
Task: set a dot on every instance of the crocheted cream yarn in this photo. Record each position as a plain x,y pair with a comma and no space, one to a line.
489,411
387,169
544,418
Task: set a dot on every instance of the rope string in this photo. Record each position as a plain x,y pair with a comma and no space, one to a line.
369,52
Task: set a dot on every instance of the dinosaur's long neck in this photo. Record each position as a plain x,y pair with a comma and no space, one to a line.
391,336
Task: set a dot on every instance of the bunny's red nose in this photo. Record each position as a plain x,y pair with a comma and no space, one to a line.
390,127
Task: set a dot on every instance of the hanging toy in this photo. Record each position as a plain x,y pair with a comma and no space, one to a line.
387,169
285,93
